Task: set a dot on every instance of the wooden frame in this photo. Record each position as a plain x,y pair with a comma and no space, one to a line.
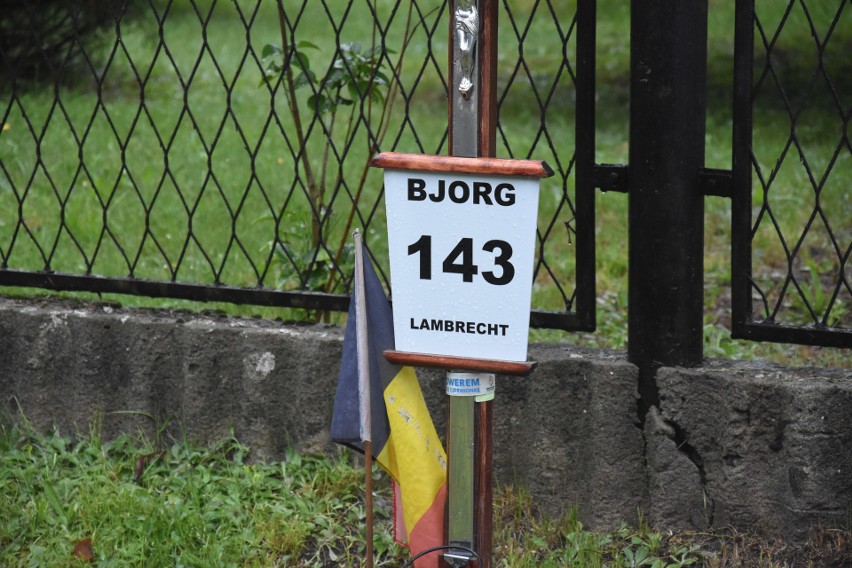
520,368
460,165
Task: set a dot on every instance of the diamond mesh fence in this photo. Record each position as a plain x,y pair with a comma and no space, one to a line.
216,150
801,213
209,145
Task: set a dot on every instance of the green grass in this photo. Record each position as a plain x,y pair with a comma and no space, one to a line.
155,503
191,506
149,163
526,539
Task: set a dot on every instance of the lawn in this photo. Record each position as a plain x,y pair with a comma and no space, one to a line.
135,501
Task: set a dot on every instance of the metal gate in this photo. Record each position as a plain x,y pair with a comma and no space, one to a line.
792,275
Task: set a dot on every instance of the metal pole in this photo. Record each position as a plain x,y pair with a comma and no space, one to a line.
666,207
465,85
364,395
472,117
460,490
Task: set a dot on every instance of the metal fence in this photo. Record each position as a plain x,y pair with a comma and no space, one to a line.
792,206
214,150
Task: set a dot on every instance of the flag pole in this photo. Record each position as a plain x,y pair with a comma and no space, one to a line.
364,392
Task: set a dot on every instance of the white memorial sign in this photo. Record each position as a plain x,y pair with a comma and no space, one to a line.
462,250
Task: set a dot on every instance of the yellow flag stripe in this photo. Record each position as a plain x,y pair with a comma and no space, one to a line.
413,454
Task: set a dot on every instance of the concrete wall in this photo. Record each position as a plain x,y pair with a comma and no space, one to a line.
750,446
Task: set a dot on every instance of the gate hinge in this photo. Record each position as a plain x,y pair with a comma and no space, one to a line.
716,182
614,177
611,177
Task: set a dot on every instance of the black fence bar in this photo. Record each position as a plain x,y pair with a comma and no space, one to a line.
585,164
180,291
769,332
741,306
666,205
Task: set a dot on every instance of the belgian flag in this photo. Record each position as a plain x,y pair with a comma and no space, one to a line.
404,440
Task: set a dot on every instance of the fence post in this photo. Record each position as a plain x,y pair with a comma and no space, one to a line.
668,75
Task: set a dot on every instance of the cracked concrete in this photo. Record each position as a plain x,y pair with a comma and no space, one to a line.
749,446
676,497
775,443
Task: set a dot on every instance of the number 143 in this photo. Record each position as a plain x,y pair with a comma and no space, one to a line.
460,260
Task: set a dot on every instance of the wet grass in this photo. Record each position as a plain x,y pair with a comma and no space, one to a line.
138,502
135,501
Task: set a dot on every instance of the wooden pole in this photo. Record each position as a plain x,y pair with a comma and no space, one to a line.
484,417
368,505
